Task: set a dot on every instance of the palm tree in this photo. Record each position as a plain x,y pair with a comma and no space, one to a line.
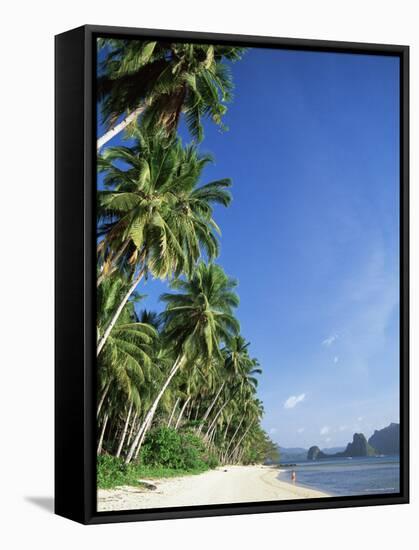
157,218
188,366
221,382
162,80
126,360
254,414
239,361
238,374
198,318
125,430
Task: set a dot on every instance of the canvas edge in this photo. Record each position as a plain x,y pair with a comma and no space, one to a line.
85,509
69,398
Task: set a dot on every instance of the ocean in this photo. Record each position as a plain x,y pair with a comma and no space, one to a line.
348,477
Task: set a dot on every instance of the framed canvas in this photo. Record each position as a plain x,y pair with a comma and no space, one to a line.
231,274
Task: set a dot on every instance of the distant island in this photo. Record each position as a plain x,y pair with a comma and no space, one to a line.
358,447
387,440
382,442
299,454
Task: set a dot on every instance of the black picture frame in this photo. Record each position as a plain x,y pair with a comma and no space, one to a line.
75,273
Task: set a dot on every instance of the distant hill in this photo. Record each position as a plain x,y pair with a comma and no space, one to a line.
292,450
314,453
333,450
358,447
292,454
297,454
387,440
382,442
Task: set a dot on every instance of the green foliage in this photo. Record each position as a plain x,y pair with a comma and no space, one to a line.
166,79
212,460
156,219
126,358
156,213
171,449
272,453
200,315
260,449
193,451
112,472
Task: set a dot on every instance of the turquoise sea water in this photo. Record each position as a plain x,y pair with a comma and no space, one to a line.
348,477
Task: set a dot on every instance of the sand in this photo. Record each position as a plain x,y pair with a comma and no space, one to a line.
236,484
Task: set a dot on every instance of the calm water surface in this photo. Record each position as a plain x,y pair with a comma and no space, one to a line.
345,477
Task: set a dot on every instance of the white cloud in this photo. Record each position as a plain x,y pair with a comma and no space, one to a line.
300,430
272,431
328,439
343,428
360,418
293,400
329,340
325,430
335,359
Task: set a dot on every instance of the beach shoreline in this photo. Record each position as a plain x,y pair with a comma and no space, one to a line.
225,485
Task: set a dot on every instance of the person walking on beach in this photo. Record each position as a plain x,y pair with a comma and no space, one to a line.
293,476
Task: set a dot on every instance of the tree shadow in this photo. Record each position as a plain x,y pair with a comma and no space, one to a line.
46,503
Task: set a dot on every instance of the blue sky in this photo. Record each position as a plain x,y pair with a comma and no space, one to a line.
312,237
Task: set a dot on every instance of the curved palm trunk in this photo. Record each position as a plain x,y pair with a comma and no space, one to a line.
143,434
139,438
190,408
241,439
181,413
227,427
102,398
211,438
102,434
107,136
207,412
131,431
232,439
124,432
216,417
102,340
173,412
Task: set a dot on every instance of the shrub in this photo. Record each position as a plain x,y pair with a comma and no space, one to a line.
162,447
165,453
212,461
111,471
193,451
171,449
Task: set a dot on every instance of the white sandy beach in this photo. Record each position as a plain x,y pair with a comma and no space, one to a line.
237,484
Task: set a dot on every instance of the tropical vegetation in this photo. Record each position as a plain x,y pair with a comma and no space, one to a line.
177,388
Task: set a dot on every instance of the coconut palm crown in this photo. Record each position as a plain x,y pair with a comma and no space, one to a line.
156,210
166,79
199,316
127,359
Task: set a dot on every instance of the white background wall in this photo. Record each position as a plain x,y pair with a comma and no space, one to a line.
26,272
